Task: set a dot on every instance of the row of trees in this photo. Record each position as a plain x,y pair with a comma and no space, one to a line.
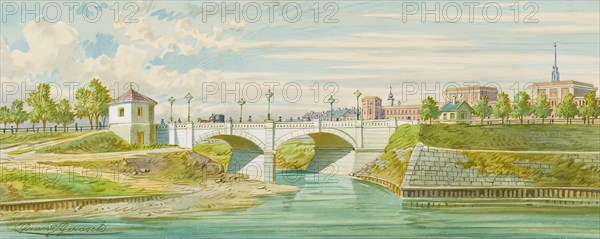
92,104
522,107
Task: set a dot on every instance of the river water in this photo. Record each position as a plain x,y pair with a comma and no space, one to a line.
331,205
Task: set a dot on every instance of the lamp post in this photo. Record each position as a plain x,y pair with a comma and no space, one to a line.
331,100
171,100
269,95
357,94
241,102
189,98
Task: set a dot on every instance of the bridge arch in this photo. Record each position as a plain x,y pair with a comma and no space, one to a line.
347,140
334,150
247,152
237,139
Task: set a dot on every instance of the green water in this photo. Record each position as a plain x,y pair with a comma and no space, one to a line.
331,205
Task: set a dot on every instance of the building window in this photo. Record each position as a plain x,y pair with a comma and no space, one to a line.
121,112
140,111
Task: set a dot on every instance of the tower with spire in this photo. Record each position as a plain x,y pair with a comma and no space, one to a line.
555,74
391,97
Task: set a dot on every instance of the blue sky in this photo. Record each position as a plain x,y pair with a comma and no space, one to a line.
170,51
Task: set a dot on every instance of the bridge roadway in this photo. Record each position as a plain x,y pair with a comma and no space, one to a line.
342,147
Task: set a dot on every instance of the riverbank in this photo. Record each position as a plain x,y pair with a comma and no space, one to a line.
140,183
213,196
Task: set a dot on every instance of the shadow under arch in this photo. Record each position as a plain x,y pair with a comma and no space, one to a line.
334,154
247,156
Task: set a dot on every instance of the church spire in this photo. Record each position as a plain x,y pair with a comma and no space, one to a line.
555,74
391,97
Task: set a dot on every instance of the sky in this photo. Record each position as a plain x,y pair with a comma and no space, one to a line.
171,48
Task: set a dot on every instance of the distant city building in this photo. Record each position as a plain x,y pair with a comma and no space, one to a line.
403,112
339,114
557,90
131,117
372,108
472,94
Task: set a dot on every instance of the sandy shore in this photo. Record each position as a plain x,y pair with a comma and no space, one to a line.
214,196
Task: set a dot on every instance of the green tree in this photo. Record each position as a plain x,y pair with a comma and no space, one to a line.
101,96
4,115
43,106
83,106
567,108
17,114
92,102
430,110
541,108
522,107
64,114
590,108
482,109
502,106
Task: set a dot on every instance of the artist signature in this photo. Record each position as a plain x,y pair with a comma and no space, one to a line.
63,228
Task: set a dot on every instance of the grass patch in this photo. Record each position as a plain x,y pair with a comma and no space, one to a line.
580,138
295,154
395,166
11,140
25,185
97,143
21,151
562,170
218,152
181,168
405,136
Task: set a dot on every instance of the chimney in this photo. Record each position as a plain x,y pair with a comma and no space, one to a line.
454,99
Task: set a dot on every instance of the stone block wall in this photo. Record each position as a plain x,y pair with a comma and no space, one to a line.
439,168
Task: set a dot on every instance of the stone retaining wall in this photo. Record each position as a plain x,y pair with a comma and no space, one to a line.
436,172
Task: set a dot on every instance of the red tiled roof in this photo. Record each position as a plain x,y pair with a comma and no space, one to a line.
131,95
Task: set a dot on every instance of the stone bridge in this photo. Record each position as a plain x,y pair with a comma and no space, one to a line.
341,147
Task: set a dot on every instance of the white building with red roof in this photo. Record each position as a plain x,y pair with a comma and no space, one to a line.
131,117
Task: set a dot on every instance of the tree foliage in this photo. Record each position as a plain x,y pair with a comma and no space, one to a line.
17,114
502,107
590,108
92,102
4,115
64,114
482,109
541,108
430,110
567,108
42,104
522,106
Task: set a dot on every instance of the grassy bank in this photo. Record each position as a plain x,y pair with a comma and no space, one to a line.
295,154
562,170
219,152
96,143
10,140
580,138
19,184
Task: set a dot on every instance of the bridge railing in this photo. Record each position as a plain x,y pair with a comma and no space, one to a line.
293,125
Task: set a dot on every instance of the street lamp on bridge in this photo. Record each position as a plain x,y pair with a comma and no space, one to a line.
331,100
269,95
189,98
171,100
357,94
241,102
